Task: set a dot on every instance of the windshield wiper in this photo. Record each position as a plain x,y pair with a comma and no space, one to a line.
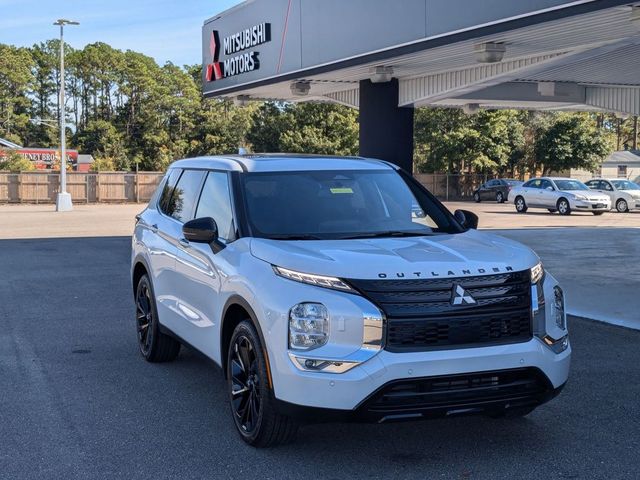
294,236
390,233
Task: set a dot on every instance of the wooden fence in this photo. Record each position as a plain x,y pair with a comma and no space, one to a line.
42,187
120,187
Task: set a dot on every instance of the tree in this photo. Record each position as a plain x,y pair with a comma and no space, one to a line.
572,141
15,78
12,161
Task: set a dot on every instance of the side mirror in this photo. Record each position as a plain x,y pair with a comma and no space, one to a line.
467,219
550,188
203,230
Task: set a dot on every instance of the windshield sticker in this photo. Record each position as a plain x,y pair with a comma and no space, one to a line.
337,191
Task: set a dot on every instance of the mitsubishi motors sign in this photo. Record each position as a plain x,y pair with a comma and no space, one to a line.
239,52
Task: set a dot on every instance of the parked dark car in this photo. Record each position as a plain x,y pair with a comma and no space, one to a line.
497,190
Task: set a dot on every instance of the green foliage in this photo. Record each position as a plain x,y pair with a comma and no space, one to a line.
572,141
11,161
106,164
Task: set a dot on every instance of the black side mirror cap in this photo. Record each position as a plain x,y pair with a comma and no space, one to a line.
467,219
203,230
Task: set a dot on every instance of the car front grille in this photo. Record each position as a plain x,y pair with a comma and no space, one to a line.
469,391
421,315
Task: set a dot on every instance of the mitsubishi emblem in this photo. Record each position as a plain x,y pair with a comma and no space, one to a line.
461,297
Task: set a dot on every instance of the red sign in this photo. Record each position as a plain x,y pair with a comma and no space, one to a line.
45,158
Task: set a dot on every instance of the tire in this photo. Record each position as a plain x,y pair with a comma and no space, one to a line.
622,206
513,412
597,214
521,205
155,346
476,197
552,210
563,207
500,197
252,401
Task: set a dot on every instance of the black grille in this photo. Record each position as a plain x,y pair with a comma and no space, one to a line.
420,313
482,390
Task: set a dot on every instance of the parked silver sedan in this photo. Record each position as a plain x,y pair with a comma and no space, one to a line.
562,195
624,194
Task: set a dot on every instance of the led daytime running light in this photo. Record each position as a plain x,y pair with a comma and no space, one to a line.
311,279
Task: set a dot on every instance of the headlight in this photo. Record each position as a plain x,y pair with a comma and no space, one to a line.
308,326
580,197
558,307
537,273
311,279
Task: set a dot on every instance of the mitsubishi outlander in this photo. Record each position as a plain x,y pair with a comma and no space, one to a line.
341,289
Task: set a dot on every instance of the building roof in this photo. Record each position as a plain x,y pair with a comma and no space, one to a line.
282,163
623,157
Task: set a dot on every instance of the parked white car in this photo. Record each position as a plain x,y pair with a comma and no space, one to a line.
624,194
563,195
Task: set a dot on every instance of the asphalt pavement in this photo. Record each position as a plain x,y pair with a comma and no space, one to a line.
78,401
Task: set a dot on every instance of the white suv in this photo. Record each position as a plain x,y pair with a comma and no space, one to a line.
339,288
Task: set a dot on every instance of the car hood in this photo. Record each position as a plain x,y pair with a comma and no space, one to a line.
466,254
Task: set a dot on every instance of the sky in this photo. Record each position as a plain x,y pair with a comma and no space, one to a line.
167,30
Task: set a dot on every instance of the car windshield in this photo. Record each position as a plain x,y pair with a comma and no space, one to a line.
311,205
570,185
625,185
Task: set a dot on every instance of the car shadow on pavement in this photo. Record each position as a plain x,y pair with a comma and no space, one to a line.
78,400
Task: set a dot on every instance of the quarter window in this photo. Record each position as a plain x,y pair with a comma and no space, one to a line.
215,202
167,190
185,195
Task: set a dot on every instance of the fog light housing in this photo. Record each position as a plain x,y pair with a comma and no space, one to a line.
558,346
558,308
308,326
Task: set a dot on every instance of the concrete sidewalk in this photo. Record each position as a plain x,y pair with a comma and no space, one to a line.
598,268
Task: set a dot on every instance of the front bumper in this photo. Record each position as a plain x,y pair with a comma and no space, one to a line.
489,393
349,390
591,206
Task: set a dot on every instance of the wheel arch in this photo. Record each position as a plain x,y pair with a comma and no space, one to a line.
235,310
140,267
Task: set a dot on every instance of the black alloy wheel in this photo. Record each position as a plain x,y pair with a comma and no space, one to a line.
253,403
500,197
154,345
245,385
476,197
144,318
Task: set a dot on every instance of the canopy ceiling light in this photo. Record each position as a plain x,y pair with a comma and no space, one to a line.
241,100
381,74
489,52
301,88
471,108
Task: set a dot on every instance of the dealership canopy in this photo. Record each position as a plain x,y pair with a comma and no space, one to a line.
386,57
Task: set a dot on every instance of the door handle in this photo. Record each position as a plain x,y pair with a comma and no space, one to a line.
184,242
154,228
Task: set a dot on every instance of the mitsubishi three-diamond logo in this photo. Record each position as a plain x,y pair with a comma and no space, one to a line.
461,297
214,69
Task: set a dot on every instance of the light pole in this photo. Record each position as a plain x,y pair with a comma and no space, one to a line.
63,200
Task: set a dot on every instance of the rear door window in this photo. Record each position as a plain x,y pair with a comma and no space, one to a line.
215,202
